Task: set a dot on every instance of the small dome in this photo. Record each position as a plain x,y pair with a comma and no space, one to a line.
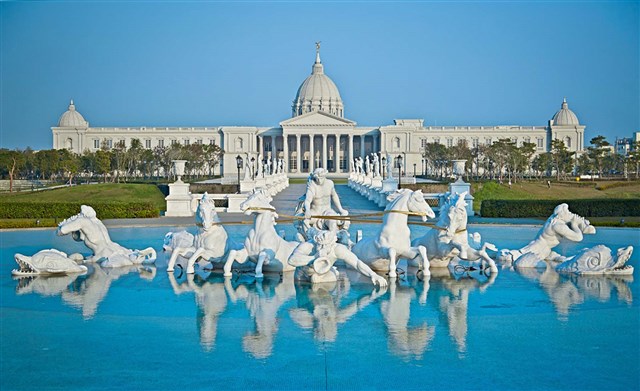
72,119
564,116
318,93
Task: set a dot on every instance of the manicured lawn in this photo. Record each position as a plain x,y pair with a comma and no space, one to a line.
109,192
540,191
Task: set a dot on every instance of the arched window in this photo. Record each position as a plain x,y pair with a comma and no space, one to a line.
239,143
567,141
396,144
68,144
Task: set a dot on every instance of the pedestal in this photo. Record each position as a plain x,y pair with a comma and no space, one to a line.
459,187
234,201
247,185
179,200
389,184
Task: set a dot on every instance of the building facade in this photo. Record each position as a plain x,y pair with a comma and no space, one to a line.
317,134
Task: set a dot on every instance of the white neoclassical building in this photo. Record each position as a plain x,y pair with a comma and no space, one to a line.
317,134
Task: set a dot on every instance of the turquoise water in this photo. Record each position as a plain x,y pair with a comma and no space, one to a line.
138,328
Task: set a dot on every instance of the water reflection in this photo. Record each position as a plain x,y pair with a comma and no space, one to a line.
452,291
568,291
84,292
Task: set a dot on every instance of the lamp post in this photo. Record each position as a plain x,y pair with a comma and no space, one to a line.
414,169
404,156
384,166
253,168
239,166
423,167
399,162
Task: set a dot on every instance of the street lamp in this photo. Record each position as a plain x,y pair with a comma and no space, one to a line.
399,162
414,169
239,166
253,168
384,166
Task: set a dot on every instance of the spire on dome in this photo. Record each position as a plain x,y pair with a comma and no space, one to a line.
564,103
72,107
318,53
317,68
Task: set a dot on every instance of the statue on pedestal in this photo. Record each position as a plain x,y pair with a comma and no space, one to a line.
376,165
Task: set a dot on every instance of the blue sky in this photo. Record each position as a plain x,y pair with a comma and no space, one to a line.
222,63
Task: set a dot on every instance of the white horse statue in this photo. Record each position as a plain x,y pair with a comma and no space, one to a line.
449,239
393,241
211,241
263,245
86,227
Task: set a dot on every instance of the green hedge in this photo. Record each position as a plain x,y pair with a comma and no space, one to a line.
62,210
543,208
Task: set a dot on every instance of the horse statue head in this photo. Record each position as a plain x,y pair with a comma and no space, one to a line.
453,214
206,215
258,201
413,202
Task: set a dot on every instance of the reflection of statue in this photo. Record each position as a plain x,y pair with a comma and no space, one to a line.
315,259
598,260
46,262
561,224
85,226
320,194
321,309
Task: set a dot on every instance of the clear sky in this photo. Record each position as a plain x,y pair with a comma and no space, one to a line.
222,63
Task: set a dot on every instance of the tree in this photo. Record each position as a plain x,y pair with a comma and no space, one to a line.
634,157
542,164
501,153
436,155
212,155
103,163
11,162
69,164
597,151
561,158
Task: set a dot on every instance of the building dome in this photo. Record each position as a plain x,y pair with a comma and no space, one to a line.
72,119
564,116
318,93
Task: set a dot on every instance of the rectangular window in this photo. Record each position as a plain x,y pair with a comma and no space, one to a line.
540,143
147,144
436,140
449,142
96,143
174,142
161,143
199,141
186,142
474,142
487,141
423,142
109,143
212,142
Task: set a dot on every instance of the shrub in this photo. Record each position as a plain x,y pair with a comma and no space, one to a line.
544,208
611,185
113,210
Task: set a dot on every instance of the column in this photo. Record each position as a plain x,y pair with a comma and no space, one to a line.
324,151
260,146
337,152
375,144
298,154
274,150
362,146
350,151
285,148
312,156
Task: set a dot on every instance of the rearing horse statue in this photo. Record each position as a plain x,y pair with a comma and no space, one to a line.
449,239
211,241
393,241
263,245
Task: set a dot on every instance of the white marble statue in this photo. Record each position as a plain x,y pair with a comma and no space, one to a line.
367,165
173,240
211,242
248,169
316,206
86,227
449,239
561,224
389,166
376,165
260,163
263,245
598,260
46,262
315,259
393,241
274,166
268,167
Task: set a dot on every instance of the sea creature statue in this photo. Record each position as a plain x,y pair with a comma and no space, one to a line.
86,227
173,240
561,224
316,204
598,260
393,241
449,241
263,245
315,259
46,262
211,242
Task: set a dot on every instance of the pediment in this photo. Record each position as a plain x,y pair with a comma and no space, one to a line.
317,118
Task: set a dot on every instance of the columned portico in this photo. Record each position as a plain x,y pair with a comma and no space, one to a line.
298,154
324,152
